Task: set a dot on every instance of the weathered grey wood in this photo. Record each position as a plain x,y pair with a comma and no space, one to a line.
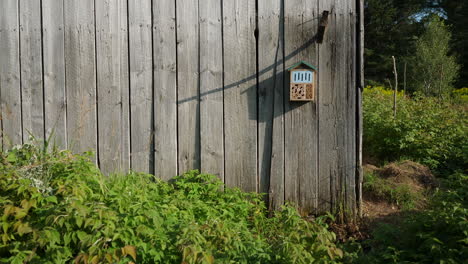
80,70
31,70
360,72
240,95
112,83
141,86
188,107
341,88
53,40
301,22
165,90
330,106
271,101
350,174
125,89
211,88
10,73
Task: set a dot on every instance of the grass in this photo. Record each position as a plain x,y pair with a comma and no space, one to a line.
401,195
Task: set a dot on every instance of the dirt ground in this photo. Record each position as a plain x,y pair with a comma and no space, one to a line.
376,210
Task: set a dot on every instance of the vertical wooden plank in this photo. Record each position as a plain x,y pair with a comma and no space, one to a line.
341,86
188,107
112,83
54,72
240,106
301,136
80,70
141,85
125,86
31,70
211,88
360,72
330,113
165,90
350,181
10,73
271,100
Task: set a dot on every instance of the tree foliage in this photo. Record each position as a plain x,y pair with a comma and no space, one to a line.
433,70
456,12
390,30
393,28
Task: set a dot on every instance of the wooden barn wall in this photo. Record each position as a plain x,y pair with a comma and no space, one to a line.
166,86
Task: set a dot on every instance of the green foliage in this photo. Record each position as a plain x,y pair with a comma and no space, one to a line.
460,95
387,190
390,31
457,17
437,235
58,208
426,130
433,70
393,26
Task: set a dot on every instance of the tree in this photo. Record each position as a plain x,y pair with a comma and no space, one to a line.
393,25
457,18
391,28
434,71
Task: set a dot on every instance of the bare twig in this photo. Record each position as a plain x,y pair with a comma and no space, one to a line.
389,83
396,87
404,80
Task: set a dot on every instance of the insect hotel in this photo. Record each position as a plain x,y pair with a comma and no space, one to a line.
264,94
302,82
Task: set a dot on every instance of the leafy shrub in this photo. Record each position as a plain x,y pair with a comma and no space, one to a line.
426,130
58,207
460,95
437,235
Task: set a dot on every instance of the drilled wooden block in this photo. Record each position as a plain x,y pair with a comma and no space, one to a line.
302,92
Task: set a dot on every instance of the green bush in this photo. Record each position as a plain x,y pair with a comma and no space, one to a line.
426,130
436,235
460,95
58,208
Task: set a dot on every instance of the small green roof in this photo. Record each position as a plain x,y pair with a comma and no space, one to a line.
302,62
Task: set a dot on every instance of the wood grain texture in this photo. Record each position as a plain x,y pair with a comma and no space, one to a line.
32,93
360,72
188,107
341,53
211,88
331,119
271,101
112,84
165,86
240,116
141,85
53,39
10,91
165,89
350,151
125,88
80,70
301,168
